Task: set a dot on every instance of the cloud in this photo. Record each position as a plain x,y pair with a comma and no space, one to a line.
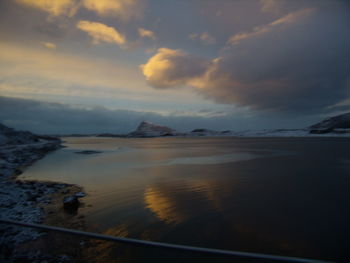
282,22
295,63
101,32
49,45
205,38
123,9
53,7
37,71
171,67
271,6
60,118
146,33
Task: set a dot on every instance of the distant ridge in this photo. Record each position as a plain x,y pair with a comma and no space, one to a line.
12,136
149,129
336,124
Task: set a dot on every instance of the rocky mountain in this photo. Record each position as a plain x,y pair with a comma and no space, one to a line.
148,129
336,124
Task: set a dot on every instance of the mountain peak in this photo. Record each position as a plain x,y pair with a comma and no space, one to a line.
149,129
328,125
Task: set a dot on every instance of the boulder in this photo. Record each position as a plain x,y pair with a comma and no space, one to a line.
71,203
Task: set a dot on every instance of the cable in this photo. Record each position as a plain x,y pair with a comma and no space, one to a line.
163,245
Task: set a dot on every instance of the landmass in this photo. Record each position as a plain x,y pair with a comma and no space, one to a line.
30,201
334,127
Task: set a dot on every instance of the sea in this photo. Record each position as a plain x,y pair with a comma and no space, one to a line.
280,196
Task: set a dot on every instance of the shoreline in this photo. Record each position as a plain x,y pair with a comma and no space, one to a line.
34,202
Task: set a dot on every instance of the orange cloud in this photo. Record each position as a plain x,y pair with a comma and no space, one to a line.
171,67
124,9
286,20
53,7
101,32
49,45
29,70
146,33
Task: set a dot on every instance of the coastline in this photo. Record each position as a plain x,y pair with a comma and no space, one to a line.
34,202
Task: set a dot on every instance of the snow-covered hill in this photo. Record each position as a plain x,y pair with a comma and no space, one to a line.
11,136
336,124
148,129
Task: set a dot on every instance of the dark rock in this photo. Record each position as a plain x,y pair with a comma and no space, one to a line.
200,130
32,197
80,194
71,203
17,172
320,131
65,191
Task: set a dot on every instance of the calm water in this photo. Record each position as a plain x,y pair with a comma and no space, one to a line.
288,196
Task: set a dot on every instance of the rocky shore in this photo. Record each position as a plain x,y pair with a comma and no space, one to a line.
30,201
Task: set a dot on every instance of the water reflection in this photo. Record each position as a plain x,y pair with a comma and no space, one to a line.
100,251
175,202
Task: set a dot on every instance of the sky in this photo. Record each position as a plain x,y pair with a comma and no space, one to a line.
85,66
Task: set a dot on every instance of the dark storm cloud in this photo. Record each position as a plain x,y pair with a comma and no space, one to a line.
298,62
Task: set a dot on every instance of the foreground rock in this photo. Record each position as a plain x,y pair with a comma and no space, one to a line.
71,203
